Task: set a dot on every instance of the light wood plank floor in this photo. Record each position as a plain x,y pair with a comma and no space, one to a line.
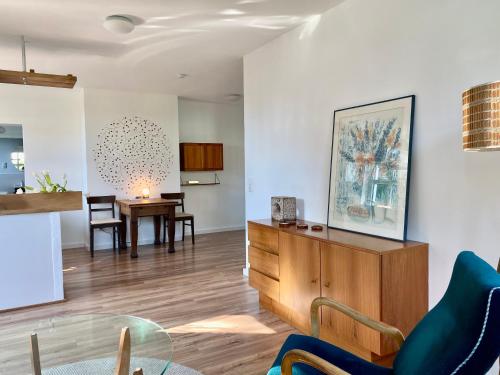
198,294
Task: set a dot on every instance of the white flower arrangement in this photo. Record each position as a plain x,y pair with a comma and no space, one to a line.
47,185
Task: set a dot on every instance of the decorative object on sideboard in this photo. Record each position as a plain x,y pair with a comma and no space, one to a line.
284,224
284,208
317,228
132,153
481,117
32,78
302,226
370,168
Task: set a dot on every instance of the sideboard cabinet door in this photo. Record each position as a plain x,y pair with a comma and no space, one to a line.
353,278
299,262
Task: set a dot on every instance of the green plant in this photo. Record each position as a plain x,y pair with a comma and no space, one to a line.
47,185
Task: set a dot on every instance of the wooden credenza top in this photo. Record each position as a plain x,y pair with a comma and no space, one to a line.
357,241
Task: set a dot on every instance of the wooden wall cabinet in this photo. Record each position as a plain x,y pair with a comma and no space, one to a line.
384,279
201,157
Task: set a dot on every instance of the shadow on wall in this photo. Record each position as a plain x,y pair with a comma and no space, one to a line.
300,209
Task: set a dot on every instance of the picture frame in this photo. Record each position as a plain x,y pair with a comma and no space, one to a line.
370,168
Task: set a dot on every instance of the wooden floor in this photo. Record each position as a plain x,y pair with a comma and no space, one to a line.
198,294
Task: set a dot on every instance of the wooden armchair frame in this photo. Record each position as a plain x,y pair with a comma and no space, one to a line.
301,356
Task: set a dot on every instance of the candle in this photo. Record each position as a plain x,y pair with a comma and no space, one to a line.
145,193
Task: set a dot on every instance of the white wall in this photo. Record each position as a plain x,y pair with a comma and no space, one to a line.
53,140
102,107
218,207
365,51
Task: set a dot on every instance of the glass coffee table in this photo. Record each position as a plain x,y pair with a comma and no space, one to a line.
96,344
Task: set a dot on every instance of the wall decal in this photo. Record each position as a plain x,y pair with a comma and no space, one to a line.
133,154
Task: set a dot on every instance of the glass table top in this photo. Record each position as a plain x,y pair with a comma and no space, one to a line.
84,345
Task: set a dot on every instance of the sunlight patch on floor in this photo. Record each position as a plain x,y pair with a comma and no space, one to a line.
245,324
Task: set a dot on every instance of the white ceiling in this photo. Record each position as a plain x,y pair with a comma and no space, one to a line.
205,39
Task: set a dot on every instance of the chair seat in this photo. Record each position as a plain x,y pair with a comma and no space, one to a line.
107,221
182,216
336,356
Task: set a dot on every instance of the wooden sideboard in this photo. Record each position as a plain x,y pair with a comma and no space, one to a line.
384,279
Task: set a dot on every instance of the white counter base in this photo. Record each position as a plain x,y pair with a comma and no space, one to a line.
30,260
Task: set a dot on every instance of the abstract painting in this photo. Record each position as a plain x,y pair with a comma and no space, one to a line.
132,154
370,168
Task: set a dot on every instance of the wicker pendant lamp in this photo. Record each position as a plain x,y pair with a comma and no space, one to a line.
481,118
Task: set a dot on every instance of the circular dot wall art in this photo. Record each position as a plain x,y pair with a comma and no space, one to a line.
133,154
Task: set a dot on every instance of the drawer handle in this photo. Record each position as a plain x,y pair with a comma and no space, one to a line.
314,281
327,284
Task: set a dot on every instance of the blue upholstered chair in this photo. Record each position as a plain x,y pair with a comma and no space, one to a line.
461,335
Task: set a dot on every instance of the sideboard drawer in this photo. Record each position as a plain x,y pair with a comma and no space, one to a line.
264,284
263,237
264,262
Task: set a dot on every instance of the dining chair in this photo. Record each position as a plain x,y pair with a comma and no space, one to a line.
459,336
106,203
179,216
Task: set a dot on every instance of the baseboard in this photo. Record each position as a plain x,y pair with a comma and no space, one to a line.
148,241
216,229
73,245
109,244
245,271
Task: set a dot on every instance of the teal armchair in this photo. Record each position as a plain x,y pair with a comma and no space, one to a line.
460,335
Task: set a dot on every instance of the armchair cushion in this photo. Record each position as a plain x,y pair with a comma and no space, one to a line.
461,335
336,356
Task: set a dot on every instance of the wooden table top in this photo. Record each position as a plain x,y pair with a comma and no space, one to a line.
147,202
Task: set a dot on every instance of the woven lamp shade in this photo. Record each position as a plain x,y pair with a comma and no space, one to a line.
481,118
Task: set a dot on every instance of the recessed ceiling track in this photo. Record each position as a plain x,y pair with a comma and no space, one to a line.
35,79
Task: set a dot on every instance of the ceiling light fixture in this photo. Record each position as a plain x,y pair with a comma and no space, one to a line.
232,12
119,24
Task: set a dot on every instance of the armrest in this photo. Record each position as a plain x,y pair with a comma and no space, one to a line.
356,315
301,356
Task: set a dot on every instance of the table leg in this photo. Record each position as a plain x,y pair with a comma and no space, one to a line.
157,221
133,236
123,231
171,229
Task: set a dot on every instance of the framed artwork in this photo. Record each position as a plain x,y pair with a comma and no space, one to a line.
370,168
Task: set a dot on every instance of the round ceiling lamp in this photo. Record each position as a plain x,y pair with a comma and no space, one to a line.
119,24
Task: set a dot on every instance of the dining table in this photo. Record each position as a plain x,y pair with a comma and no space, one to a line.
137,208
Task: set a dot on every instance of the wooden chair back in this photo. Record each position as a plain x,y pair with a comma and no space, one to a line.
175,196
102,201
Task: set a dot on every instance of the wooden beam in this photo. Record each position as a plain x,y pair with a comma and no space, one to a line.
37,79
